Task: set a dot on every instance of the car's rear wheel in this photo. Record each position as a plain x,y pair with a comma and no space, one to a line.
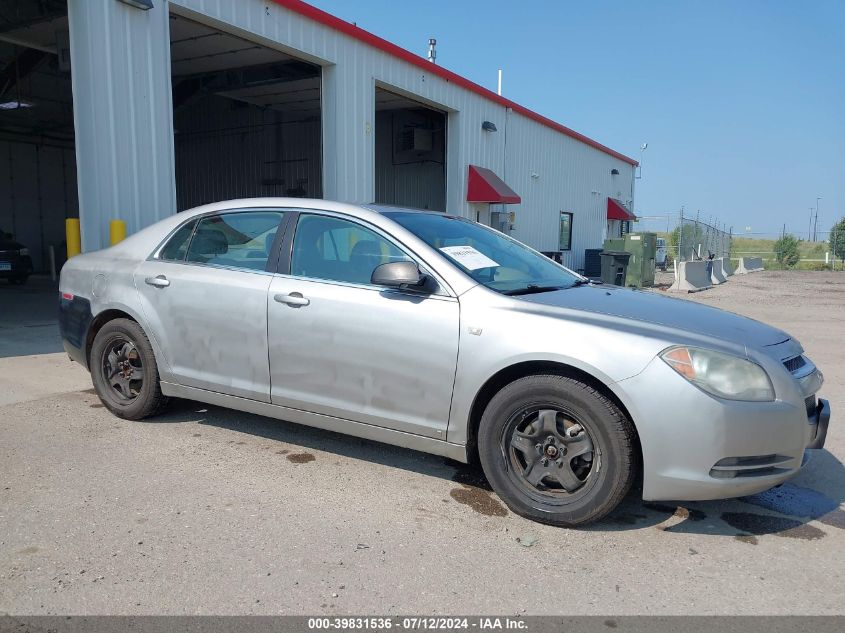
556,450
124,371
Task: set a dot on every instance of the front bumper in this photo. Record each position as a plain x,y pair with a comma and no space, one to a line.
697,447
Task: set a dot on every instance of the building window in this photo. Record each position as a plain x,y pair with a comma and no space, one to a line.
565,243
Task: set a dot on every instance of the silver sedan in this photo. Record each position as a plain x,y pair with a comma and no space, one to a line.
436,333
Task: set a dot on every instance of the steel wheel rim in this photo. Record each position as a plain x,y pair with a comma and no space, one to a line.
550,453
123,369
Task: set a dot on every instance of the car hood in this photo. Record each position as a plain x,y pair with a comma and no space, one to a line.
665,311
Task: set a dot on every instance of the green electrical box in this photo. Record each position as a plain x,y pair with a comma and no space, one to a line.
643,249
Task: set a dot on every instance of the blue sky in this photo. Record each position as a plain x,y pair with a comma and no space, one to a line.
742,103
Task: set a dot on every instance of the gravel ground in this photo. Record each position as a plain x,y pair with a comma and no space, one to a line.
204,510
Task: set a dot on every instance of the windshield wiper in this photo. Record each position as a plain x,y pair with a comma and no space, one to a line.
531,289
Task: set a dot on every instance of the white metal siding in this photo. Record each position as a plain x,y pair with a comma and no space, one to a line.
120,69
124,123
569,171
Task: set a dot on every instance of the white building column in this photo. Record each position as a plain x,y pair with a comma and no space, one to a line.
123,115
348,133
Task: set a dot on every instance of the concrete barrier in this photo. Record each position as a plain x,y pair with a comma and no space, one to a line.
717,273
727,267
691,277
749,265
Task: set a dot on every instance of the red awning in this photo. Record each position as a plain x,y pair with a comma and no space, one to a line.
485,186
617,211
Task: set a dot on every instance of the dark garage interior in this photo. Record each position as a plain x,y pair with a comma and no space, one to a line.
410,153
37,155
246,118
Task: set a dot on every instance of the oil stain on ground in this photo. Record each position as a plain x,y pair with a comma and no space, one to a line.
760,524
301,458
797,501
476,493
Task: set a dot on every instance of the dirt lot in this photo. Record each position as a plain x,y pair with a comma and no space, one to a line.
204,510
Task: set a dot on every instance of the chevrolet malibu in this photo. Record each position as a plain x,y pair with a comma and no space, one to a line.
436,333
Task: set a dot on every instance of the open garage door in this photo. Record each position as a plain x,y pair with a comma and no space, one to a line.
37,156
246,118
410,153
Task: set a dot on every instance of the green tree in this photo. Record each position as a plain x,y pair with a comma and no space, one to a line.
837,240
786,250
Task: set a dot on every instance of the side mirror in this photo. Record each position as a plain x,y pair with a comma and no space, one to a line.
399,275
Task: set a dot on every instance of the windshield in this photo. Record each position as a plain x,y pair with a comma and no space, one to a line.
486,255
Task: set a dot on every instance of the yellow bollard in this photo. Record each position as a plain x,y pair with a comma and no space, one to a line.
117,231
72,237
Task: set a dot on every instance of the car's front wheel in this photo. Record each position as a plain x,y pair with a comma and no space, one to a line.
556,450
124,371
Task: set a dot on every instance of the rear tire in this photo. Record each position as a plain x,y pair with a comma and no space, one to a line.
556,450
124,371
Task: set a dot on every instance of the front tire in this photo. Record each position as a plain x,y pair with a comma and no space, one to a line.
124,371
556,450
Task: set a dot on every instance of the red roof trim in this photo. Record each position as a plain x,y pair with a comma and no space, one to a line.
483,185
333,22
617,211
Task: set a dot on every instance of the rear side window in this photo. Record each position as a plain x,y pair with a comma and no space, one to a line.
177,246
240,240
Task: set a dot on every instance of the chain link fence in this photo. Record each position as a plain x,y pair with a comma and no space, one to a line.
693,239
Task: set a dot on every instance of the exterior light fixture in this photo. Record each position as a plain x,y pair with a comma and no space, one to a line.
488,126
614,172
144,5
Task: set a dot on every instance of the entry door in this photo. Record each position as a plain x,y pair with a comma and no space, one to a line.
342,347
205,298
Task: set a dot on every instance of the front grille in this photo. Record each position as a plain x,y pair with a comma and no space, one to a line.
794,364
810,403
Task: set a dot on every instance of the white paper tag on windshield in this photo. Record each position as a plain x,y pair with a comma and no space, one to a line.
468,257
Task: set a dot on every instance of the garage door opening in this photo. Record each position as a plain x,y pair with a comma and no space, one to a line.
246,118
410,153
37,155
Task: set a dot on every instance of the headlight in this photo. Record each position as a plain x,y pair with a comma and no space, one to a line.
722,375
23,251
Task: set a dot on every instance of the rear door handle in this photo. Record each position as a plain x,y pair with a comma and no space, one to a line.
159,282
292,299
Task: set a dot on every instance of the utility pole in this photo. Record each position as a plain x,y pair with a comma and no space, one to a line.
816,221
810,230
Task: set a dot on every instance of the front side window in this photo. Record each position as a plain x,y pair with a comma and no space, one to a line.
565,241
489,257
241,240
333,249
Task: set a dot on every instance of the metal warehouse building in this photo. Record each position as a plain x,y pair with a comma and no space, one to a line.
137,109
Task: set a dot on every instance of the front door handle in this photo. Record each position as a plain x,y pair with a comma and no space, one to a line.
293,299
159,281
